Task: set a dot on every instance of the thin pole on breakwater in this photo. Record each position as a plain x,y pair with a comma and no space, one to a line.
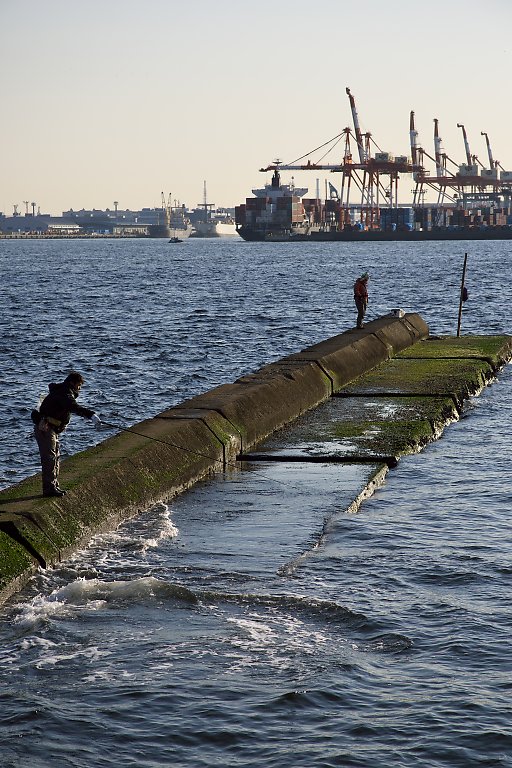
462,293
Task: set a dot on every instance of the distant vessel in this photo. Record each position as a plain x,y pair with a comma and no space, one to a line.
176,219
212,222
219,225
280,213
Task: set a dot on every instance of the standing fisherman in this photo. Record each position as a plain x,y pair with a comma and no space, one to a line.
361,297
50,420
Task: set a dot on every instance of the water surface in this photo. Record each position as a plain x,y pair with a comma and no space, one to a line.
180,639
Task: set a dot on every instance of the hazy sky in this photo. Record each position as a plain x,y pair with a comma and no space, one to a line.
120,100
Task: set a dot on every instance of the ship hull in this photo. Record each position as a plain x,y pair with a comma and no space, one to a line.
214,229
488,233
181,233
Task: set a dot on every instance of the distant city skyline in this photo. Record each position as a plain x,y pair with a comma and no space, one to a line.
126,101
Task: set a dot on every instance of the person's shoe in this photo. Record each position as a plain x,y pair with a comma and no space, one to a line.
55,492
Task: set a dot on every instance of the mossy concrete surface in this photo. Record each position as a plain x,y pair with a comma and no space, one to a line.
495,350
117,478
459,377
356,427
397,407
258,404
15,567
347,356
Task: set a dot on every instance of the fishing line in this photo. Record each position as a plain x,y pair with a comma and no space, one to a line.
164,442
286,484
194,453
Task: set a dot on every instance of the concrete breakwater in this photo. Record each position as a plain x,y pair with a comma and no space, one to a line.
416,387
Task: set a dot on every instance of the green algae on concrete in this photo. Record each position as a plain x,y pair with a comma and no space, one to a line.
348,355
424,376
16,566
259,403
228,437
358,427
106,484
496,350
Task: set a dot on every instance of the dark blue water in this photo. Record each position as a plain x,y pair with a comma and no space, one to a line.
182,639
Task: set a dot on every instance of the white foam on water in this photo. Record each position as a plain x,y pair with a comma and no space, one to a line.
37,642
85,594
276,640
167,529
107,674
91,655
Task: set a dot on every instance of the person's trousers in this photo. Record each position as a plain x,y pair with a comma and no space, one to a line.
49,449
361,305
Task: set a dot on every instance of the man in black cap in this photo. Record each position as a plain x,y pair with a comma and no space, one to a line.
50,420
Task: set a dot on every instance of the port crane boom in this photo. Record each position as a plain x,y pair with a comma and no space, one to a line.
357,129
492,164
413,134
466,143
370,176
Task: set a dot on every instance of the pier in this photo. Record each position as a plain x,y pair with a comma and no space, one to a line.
363,398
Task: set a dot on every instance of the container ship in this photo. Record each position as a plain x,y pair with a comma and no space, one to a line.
472,201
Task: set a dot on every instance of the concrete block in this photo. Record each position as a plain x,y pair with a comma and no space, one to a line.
350,354
260,403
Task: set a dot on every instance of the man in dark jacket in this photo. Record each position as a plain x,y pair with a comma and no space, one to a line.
52,419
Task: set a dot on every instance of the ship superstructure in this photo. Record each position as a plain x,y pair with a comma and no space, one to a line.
275,213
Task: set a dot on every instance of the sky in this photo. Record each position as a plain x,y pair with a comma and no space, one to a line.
117,100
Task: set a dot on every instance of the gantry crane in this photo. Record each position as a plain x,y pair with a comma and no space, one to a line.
375,177
375,174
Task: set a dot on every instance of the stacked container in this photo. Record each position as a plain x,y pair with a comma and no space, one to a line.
396,218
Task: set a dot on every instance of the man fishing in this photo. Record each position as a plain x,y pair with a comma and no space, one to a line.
361,297
50,420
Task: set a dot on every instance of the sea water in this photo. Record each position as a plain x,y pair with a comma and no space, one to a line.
179,639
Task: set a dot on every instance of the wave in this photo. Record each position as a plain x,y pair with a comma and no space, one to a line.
328,611
96,594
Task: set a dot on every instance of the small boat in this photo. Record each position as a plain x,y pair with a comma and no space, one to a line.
175,240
